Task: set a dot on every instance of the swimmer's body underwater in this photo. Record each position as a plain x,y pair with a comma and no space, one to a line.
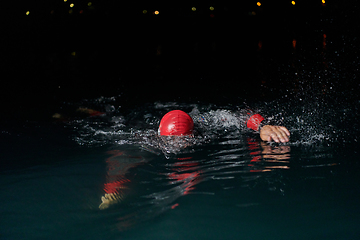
179,123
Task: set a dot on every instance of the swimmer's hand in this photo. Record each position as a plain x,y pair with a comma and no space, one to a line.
276,133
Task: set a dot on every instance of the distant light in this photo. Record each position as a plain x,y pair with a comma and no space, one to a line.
89,4
81,11
27,13
70,11
211,8
144,11
193,9
73,54
293,2
294,43
323,2
156,12
71,5
212,15
65,0
258,4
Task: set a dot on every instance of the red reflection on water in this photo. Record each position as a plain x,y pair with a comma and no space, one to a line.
185,174
116,183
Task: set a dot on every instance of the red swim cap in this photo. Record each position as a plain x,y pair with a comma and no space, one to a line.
176,123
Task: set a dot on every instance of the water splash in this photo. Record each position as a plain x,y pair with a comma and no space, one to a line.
310,122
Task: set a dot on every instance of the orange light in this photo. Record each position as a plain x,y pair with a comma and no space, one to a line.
156,12
293,2
294,43
258,4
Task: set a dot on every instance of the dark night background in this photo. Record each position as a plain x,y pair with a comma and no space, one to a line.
236,52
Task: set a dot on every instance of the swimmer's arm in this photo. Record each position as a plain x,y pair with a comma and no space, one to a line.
89,112
80,112
276,133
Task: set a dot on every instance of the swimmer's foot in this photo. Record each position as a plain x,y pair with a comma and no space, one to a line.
110,199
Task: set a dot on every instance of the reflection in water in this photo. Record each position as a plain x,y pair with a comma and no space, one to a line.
275,154
268,157
116,182
175,176
170,181
185,173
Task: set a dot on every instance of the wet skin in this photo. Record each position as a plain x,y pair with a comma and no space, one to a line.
275,133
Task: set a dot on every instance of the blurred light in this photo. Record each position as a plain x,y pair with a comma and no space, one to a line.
73,54
71,5
258,4
211,8
212,15
193,9
156,12
70,11
27,13
81,11
89,4
294,43
323,1
293,2
65,0
144,11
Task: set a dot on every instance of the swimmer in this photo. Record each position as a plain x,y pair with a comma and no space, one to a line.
179,123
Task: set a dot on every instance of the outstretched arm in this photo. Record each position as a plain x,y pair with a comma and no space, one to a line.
276,133
267,132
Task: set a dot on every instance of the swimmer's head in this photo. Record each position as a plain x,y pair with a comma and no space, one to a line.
176,123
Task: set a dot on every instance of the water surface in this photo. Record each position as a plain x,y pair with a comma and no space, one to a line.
225,184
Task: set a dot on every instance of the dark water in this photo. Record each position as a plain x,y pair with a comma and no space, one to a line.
226,183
